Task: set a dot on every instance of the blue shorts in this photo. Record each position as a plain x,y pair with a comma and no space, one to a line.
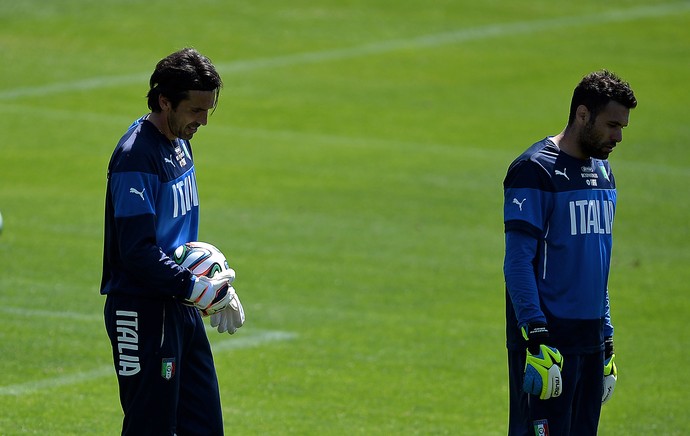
164,367
575,412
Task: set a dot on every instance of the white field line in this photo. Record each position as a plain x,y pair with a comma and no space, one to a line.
375,48
42,314
56,382
317,138
240,340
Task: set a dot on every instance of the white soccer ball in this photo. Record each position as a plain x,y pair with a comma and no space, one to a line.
202,259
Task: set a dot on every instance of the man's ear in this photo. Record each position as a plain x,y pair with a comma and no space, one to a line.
164,103
582,115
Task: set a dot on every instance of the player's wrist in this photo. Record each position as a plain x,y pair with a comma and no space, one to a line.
199,287
535,334
609,349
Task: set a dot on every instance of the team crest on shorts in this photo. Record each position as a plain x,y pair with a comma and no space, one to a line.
168,368
541,427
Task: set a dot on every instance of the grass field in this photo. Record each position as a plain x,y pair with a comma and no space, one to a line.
353,174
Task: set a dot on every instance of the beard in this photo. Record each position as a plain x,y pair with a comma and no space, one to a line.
592,143
179,129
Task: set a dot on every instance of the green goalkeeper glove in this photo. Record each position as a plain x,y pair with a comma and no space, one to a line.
610,371
543,364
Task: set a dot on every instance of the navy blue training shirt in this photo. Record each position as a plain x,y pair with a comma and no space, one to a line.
152,207
558,217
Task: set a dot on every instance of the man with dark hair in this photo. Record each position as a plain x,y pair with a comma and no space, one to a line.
179,73
559,205
165,369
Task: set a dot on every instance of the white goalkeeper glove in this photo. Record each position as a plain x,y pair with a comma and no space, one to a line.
610,371
543,364
231,318
211,295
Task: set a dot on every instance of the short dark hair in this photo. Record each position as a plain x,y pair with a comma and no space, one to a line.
180,72
597,89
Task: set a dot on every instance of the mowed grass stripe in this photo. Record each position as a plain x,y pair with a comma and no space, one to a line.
375,48
241,340
671,168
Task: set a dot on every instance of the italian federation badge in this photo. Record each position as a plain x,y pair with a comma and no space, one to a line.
541,428
168,368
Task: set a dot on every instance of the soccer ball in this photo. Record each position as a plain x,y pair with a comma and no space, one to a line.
201,258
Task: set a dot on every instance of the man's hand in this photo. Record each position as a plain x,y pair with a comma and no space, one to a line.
212,295
231,318
543,364
610,371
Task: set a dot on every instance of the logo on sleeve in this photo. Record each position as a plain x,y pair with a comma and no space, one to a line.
519,203
139,193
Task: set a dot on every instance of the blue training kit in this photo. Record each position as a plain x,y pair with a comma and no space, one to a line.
558,216
161,353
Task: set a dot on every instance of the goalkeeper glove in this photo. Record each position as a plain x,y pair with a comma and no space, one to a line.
211,295
610,371
543,364
231,318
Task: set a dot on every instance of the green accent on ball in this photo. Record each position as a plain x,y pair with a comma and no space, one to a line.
215,270
180,257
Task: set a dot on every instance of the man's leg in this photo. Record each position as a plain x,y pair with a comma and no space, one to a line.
518,423
587,402
199,410
145,352
557,413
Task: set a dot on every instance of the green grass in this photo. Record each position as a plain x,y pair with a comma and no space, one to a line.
352,174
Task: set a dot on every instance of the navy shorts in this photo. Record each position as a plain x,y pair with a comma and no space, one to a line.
164,367
575,412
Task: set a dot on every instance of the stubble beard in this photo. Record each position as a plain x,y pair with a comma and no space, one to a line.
177,129
592,145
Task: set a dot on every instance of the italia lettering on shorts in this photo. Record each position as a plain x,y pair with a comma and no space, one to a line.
127,323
